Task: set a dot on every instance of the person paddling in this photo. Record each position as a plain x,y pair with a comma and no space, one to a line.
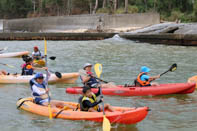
90,80
88,102
36,54
28,68
40,92
144,80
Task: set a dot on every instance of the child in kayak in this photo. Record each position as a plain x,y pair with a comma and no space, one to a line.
28,68
88,79
36,54
88,102
144,80
40,92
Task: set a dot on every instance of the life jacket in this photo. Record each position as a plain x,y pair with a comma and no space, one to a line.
139,82
26,71
41,87
92,100
37,55
91,81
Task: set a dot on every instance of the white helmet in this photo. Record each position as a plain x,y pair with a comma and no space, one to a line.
86,65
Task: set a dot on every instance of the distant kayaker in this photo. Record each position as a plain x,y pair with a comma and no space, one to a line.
40,92
90,80
28,68
143,79
88,102
36,54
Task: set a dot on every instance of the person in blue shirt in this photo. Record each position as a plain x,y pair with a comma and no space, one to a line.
143,79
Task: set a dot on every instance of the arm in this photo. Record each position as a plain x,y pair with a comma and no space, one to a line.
85,78
98,93
89,104
36,90
154,78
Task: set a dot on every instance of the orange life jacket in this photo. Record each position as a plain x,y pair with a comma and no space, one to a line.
142,83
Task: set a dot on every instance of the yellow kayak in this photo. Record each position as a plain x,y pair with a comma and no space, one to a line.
40,62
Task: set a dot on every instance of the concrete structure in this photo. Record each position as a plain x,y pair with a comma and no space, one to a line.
81,22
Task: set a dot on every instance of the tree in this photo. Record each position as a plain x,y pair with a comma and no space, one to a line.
126,6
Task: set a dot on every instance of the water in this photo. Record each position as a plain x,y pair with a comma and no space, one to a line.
121,60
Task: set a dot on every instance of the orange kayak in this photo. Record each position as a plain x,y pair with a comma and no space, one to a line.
192,79
123,115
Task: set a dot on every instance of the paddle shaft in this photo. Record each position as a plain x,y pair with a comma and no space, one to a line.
164,72
101,80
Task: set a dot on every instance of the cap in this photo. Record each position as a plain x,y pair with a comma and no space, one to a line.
86,65
39,75
35,47
145,69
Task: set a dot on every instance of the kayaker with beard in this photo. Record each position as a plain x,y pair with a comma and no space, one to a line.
90,80
88,102
40,92
144,80
36,54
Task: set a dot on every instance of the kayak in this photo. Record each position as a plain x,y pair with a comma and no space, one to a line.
162,89
123,115
192,79
68,78
39,62
14,54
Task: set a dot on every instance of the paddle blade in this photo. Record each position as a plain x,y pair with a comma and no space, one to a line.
52,57
106,124
58,74
173,67
98,69
45,46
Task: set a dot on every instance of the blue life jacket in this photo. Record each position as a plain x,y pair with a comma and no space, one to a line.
36,96
26,71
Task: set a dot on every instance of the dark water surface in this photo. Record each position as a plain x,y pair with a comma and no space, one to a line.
121,61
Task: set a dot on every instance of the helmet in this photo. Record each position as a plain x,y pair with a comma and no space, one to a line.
39,75
145,69
86,65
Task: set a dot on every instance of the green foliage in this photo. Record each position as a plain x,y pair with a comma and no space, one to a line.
185,10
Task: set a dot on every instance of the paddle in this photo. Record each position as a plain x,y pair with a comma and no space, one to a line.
172,68
106,123
83,73
7,65
58,74
45,53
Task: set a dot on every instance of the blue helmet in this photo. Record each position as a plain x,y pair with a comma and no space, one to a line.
39,75
145,69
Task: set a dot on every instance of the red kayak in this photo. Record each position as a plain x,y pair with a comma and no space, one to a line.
162,89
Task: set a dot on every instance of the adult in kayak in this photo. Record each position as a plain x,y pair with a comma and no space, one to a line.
40,92
90,80
143,79
28,68
88,102
36,54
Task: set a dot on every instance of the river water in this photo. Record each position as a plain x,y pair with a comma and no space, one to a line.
121,60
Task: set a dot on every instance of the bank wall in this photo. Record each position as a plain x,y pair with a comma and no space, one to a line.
66,23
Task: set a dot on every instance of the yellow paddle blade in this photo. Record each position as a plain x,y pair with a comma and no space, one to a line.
50,112
173,69
106,124
45,46
98,69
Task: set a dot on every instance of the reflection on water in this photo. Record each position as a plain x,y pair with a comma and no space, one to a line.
121,60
